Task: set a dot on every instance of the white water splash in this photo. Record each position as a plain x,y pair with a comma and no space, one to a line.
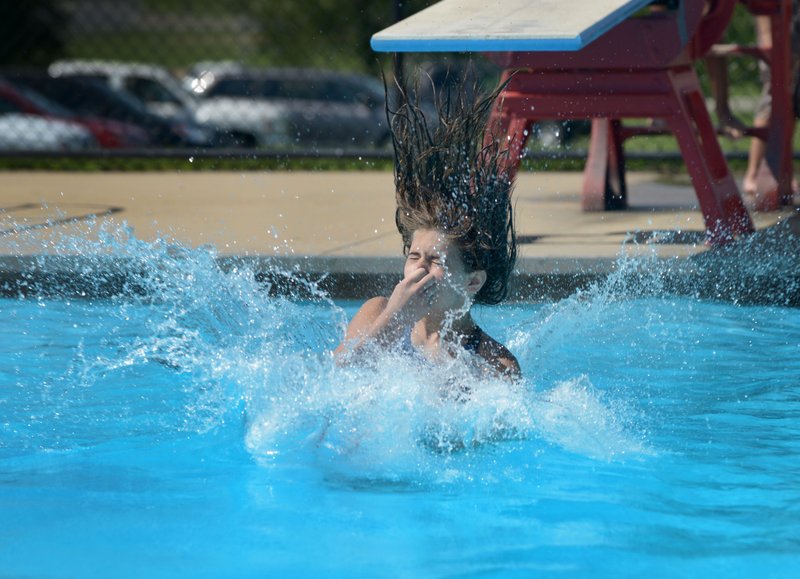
241,352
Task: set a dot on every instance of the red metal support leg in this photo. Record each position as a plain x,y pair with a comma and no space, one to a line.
517,132
514,130
604,185
725,215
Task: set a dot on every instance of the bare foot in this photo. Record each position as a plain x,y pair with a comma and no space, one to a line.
750,185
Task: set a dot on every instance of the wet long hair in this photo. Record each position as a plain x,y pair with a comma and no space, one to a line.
450,177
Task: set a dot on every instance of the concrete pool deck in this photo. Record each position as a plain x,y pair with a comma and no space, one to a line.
341,223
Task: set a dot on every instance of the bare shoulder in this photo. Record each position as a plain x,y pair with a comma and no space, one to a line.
365,316
370,310
498,356
361,322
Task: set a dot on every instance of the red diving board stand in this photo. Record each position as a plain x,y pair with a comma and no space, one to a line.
620,66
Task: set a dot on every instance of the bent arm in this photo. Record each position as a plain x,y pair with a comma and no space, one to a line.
371,323
382,319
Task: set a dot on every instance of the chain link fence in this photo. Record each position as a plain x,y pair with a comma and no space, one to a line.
224,77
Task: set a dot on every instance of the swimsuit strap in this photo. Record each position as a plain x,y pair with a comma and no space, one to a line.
406,344
473,340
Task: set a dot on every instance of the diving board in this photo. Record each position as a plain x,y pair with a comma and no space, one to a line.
502,25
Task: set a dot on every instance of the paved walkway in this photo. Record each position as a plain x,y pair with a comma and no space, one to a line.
340,221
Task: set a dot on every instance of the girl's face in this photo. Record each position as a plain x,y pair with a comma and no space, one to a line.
433,252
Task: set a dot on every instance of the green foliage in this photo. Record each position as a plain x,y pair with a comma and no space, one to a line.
176,33
741,29
31,32
326,33
176,52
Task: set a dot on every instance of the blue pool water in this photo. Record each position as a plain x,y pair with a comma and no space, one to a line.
201,429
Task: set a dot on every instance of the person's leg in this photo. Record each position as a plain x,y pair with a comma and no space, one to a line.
718,75
758,147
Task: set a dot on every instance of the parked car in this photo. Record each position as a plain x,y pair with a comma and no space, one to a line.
306,107
107,133
154,86
202,75
87,97
22,132
246,123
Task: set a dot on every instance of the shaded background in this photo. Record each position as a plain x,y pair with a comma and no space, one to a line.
185,37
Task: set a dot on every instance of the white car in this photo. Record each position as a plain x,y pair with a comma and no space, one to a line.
160,91
21,132
246,122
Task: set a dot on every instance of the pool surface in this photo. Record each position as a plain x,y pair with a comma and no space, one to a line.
201,429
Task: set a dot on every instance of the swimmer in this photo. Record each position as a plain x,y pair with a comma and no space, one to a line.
455,216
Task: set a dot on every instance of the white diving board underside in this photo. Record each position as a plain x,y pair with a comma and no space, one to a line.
505,25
